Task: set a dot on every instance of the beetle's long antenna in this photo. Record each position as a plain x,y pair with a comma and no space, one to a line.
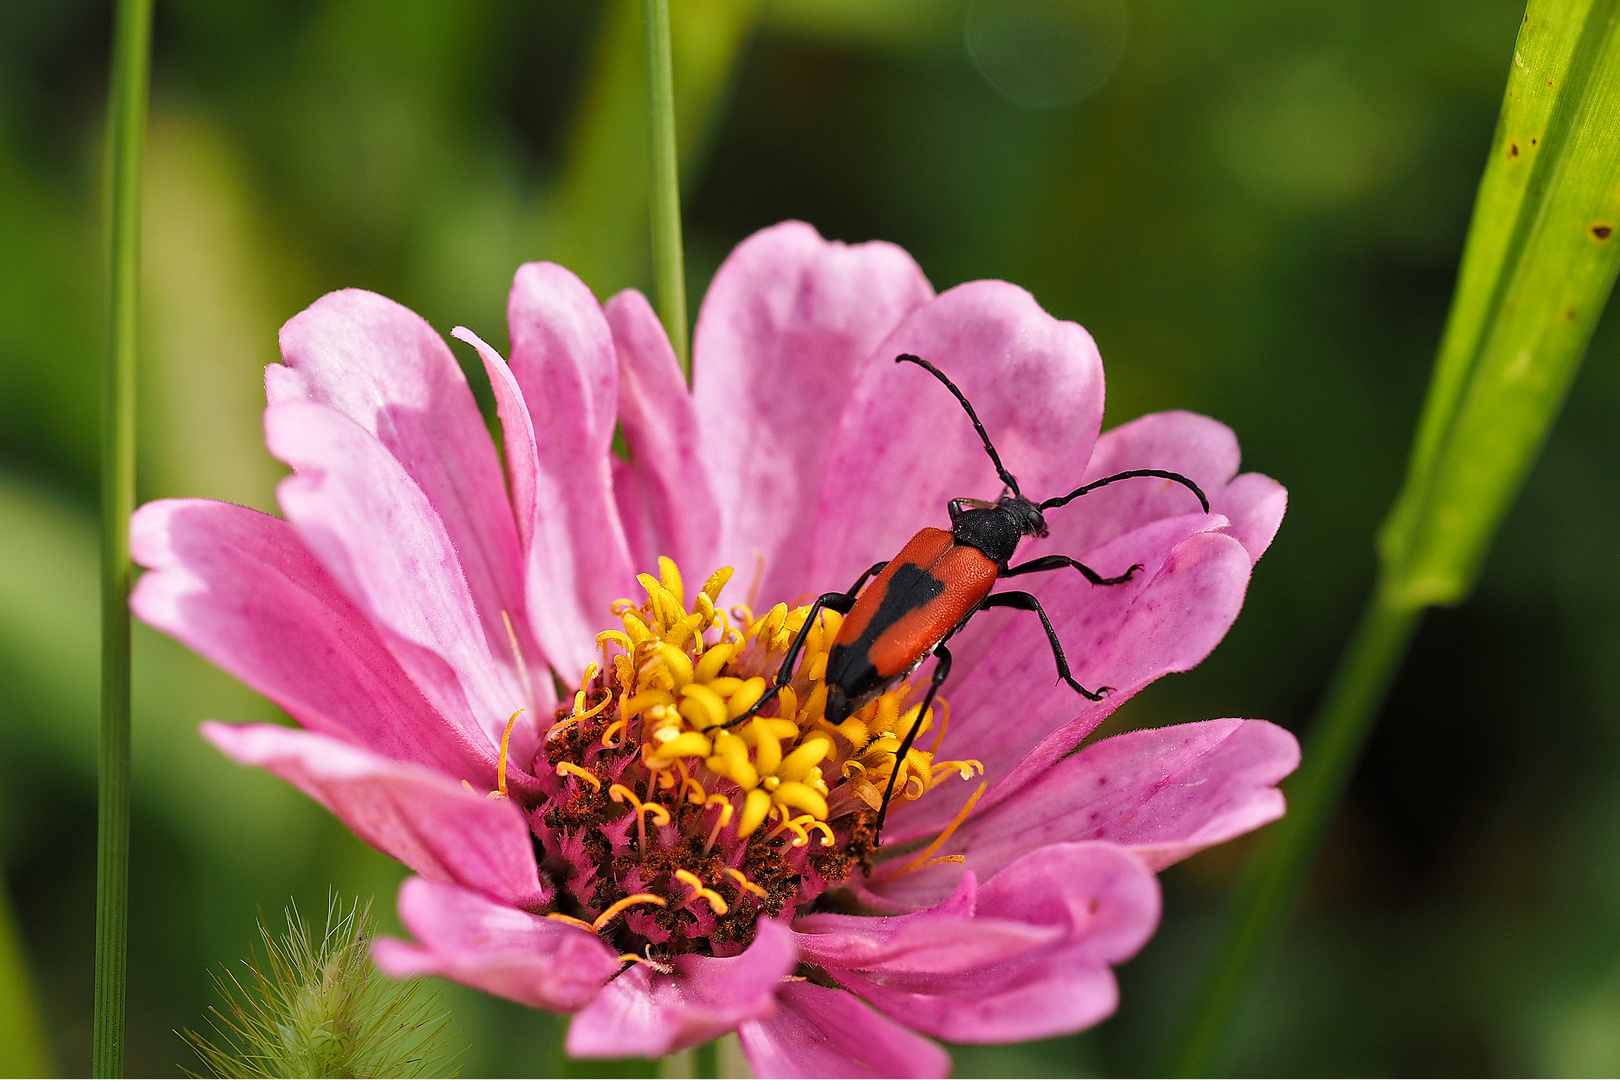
995,458
1105,481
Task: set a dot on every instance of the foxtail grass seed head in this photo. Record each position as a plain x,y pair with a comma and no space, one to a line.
314,1006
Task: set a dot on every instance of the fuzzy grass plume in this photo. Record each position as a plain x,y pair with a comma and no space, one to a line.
317,1007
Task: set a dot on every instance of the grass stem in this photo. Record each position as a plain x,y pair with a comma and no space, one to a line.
126,130
669,270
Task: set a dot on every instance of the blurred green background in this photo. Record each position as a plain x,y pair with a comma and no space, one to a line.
1256,206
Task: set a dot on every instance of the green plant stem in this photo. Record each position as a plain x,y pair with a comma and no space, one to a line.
126,123
669,271
1266,897
706,1060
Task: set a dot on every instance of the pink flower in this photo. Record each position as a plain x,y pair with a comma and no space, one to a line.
622,856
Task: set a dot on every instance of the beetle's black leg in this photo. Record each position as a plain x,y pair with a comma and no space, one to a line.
942,668
839,602
1023,601
866,575
1058,562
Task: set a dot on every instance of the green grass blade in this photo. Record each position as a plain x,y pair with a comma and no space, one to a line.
1537,270
126,124
595,220
669,264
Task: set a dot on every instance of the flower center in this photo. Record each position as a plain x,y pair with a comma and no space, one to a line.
673,831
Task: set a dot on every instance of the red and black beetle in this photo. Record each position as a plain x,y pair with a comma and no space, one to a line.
924,595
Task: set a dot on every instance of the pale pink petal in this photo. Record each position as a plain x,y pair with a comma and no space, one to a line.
1004,695
1041,995
821,1032
1202,449
465,936
427,821
643,1013
380,538
945,938
1172,627
517,430
1105,898
237,586
578,560
787,323
385,368
1096,904
665,497
906,447
522,466
1163,793
1255,504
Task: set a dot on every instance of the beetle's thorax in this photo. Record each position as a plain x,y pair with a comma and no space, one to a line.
996,528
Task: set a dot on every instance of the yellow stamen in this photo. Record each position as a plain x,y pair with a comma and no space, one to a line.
698,796
944,722
671,575
755,807
506,741
793,825
700,890
759,575
628,902
939,841
617,637
468,786
564,768
620,794
517,655
560,917
612,730
744,885
967,770
725,818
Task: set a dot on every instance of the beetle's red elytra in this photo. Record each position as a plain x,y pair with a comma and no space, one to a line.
918,600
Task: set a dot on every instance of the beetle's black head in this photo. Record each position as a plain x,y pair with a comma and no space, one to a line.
995,528
1031,522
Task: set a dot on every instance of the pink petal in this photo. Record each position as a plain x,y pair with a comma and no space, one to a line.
236,586
1042,995
1202,449
1172,627
517,431
665,497
787,323
1094,904
820,1031
427,821
1163,793
1004,695
1255,504
578,560
646,1014
465,936
906,447
1106,899
385,368
522,465
377,534
944,938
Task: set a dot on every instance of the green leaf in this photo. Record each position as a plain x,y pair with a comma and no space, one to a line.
1539,265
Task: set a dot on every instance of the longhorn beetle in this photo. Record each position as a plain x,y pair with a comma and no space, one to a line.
919,599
